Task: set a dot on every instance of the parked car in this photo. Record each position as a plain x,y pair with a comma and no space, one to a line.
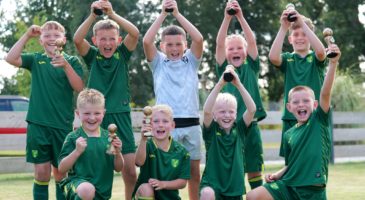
13,103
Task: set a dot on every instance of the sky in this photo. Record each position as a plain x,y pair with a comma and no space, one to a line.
7,70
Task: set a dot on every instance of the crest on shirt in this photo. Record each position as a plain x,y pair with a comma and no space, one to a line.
185,59
152,155
310,59
174,163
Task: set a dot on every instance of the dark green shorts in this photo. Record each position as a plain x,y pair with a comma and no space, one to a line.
280,191
69,187
124,131
44,143
254,159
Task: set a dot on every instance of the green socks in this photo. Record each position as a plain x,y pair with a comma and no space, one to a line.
59,192
255,182
40,190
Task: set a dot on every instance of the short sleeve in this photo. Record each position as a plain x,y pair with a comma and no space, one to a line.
27,61
90,56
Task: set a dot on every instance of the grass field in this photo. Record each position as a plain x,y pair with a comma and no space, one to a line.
346,181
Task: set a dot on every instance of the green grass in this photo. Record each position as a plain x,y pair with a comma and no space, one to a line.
345,182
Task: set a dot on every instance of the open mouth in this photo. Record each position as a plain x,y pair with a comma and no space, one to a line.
236,58
302,112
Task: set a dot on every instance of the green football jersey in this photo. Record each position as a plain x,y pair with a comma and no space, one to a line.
248,73
171,165
110,76
94,164
224,170
308,71
307,151
51,98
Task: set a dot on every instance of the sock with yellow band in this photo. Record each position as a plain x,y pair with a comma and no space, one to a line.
59,192
145,198
255,182
40,190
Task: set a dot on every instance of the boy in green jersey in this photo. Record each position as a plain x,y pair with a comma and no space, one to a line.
55,76
164,163
307,145
90,169
243,55
107,62
301,67
224,137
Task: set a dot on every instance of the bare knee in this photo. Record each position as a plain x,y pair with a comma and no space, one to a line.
129,168
259,193
145,190
207,193
42,172
86,191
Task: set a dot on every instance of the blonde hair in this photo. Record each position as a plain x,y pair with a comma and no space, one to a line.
306,20
53,25
90,96
105,24
236,36
164,109
226,99
301,88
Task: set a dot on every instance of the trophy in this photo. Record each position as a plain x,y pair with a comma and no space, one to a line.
328,38
169,10
98,11
228,76
231,11
59,46
147,111
112,128
291,17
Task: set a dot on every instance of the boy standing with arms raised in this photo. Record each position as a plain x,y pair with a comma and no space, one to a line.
108,67
175,78
55,75
301,67
224,136
306,146
243,55
90,169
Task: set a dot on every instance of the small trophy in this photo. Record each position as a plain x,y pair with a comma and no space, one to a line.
112,128
231,11
98,11
291,17
147,111
228,76
328,38
59,46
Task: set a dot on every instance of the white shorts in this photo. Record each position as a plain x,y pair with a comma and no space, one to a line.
191,138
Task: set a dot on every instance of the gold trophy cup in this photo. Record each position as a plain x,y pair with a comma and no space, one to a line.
147,111
291,17
112,128
328,38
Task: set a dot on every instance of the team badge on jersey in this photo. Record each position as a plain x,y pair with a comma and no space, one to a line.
174,163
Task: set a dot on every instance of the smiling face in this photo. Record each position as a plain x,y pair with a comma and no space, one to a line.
225,110
299,41
235,50
48,39
107,41
173,46
162,124
301,104
91,116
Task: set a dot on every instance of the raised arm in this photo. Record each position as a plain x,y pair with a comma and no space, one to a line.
196,37
249,114
149,46
14,55
249,35
314,41
67,162
131,39
118,158
277,46
141,150
82,45
220,49
209,103
325,96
